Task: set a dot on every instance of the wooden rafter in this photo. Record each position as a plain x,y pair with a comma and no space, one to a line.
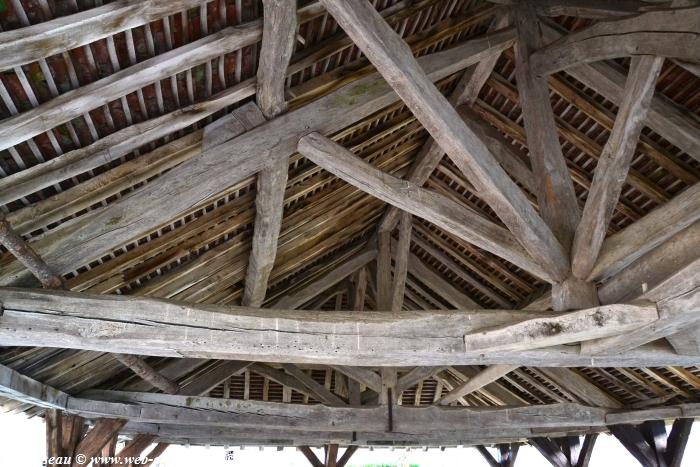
664,33
395,62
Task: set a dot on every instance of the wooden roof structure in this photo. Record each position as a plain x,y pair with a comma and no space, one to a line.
397,222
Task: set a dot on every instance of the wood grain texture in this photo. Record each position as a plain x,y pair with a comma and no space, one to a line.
555,190
98,232
76,102
485,377
628,245
614,162
582,325
175,329
665,33
394,60
434,207
402,251
666,119
41,40
305,294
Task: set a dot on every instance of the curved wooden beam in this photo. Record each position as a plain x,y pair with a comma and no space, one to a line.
665,33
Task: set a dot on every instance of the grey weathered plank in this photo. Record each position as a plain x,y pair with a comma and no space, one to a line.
175,329
555,190
581,325
394,60
362,375
665,33
434,207
614,162
92,235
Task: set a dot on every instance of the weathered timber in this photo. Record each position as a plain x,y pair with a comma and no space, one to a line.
599,9
666,119
327,281
434,207
24,253
575,326
73,320
95,233
320,391
676,314
653,270
279,34
555,190
402,251
577,384
666,33
438,284
573,294
486,376
628,245
393,59
99,435
465,92
614,162
74,103
362,375
208,381
147,373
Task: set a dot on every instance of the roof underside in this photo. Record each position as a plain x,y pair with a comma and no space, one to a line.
201,255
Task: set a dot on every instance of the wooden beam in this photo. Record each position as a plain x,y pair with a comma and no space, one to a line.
614,162
310,456
555,190
282,378
598,9
465,92
208,381
434,207
664,33
666,119
331,455
675,315
279,35
74,103
41,40
486,376
401,253
24,253
147,373
145,210
362,375
575,326
577,384
320,391
359,282
74,320
346,456
393,59
626,246
298,298
438,284
100,434
415,376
